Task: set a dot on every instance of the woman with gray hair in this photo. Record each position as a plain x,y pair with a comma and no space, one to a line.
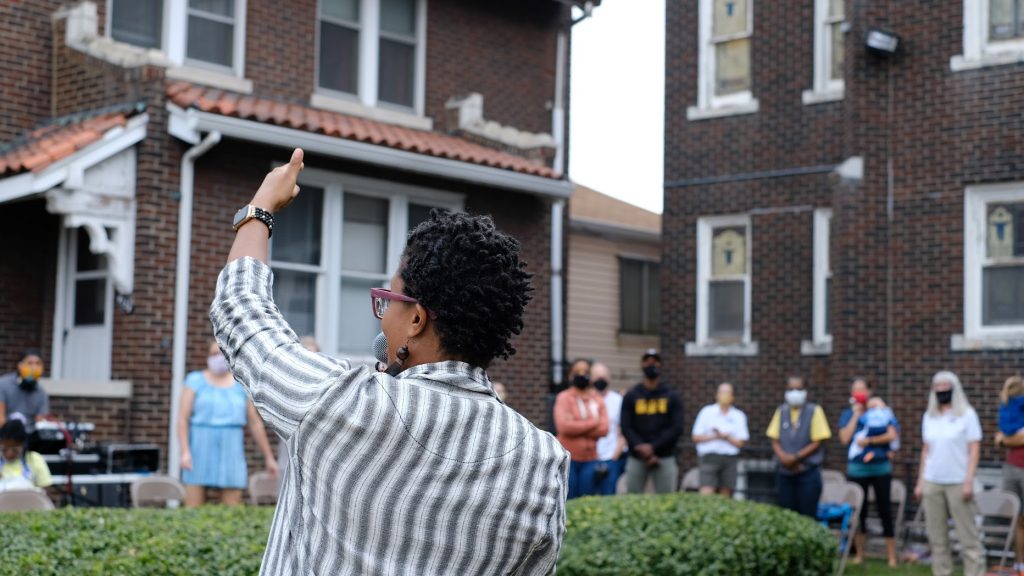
951,434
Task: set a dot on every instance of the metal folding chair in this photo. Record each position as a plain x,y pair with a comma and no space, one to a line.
999,511
156,491
24,500
263,489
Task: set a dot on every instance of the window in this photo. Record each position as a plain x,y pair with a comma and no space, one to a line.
639,296
994,262
372,50
211,32
723,280
138,22
207,34
324,271
829,52
726,28
993,34
822,297
1005,20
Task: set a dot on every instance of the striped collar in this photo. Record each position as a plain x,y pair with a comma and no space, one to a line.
453,373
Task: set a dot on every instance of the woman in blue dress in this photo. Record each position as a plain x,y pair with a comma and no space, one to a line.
215,409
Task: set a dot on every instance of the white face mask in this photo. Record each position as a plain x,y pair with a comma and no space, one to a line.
218,364
796,398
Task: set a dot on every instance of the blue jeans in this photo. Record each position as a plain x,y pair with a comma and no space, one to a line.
608,481
582,480
800,492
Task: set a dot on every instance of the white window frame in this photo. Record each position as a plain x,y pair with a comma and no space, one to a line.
329,270
976,335
825,88
174,47
979,50
708,104
704,345
821,341
369,65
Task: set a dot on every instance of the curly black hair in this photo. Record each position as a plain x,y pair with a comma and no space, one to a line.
469,273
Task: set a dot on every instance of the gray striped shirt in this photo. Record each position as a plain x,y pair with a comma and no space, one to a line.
425,474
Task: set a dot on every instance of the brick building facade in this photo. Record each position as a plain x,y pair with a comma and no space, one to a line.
127,144
836,211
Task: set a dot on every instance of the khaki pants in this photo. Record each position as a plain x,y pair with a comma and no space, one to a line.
942,501
665,477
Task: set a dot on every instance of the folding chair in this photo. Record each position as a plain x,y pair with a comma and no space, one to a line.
263,489
832,477
998,511
24,500
851,495
691,481
156,491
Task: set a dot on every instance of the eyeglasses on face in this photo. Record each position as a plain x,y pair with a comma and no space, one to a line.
380,298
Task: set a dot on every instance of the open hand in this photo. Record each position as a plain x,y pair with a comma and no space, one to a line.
279,188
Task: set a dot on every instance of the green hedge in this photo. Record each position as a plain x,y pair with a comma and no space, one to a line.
684,534
678,535
104,541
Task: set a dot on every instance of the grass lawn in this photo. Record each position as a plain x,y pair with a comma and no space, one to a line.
880,568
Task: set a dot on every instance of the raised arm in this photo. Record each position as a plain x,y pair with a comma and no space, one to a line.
283,378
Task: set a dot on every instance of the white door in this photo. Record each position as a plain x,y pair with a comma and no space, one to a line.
89,312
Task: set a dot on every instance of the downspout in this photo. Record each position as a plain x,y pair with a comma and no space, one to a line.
558,214
181,281
558,131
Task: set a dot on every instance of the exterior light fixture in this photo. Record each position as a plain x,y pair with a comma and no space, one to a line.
881,41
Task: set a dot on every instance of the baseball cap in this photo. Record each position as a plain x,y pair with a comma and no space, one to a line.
651,353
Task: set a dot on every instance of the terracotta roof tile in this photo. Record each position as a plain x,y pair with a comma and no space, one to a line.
45,145
350,128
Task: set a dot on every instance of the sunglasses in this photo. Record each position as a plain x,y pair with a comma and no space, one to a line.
380,298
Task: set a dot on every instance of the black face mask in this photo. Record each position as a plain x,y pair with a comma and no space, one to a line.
652,372
580,381
601,384
944,397
28,385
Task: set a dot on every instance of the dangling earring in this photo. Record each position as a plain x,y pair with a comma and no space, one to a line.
396,366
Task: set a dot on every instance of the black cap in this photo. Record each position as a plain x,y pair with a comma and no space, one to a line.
650,353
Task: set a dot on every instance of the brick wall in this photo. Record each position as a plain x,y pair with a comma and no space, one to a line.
945,130
25,46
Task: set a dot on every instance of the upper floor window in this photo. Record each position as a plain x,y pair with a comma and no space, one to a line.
208,34
994,262
822,317
639,296
723,280
344,236
829,51
372,50
993,34
725,86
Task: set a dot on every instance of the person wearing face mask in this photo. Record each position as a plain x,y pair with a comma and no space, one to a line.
21,393
652,422
719,432
951,434
215,410
581,418
797,430
610,447
875,474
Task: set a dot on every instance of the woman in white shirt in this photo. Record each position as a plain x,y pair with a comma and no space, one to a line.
719,432
949,458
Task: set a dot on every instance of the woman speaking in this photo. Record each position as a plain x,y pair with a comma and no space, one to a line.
417,470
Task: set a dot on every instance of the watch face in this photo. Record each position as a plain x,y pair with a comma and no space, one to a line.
240,216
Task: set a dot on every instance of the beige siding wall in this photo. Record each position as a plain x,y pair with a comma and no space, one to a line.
593,307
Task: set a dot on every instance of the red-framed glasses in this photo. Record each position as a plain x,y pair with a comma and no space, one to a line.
381,297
